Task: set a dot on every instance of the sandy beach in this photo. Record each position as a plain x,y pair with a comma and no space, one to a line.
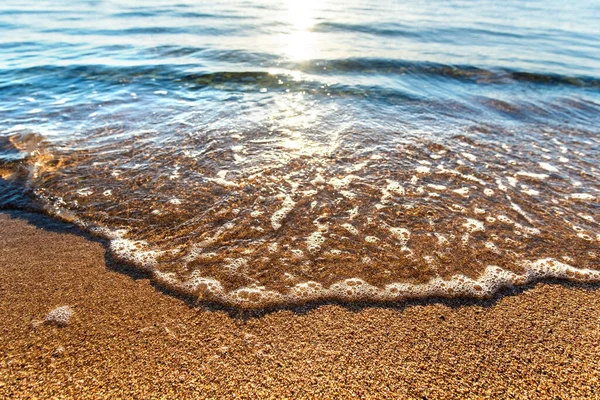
128,339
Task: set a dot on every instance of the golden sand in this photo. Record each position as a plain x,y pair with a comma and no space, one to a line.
127,339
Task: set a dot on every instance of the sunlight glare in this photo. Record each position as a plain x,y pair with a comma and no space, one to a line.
300,42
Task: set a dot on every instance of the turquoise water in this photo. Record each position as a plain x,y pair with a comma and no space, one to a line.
257,153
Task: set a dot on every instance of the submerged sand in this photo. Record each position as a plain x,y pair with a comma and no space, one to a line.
127,339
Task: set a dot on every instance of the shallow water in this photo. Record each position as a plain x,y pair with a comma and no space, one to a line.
259,153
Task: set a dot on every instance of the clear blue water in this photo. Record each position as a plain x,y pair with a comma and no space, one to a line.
263,152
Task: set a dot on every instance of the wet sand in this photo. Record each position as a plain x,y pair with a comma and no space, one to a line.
127,339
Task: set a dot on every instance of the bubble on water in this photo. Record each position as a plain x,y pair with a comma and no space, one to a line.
441,188
531,192
393,188
582,196
512,181
585,236
469,157
348,194
134,251
342,183
532,175
350,228
278,216
297,253
402,235
442,239
492,247
85,192
314,241
548,167
505,219
222,182
464,191
235,264
500,185
474,225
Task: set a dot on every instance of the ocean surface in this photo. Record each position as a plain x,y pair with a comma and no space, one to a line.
259,153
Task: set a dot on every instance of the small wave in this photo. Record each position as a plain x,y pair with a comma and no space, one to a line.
458,72
407,31
363,66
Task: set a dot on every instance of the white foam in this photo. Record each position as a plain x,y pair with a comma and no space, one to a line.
348,194
548,167
278,216
530,192
342,183
402,235
135,252
222,182
84,192
492,247
235,264
473,178
297,253
491,280
442,239
353,212
505,219
464,191
391,188
423,169
469,157
314,241
532,175
582,196
441,188
500,185
350,228
474,225
318,180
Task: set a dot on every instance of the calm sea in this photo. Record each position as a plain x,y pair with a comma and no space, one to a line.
256,153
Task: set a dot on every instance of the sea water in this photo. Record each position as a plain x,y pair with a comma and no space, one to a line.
258,153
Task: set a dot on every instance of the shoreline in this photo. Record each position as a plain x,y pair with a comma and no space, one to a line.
127,338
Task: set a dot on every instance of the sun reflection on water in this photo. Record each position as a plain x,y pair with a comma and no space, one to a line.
300,43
